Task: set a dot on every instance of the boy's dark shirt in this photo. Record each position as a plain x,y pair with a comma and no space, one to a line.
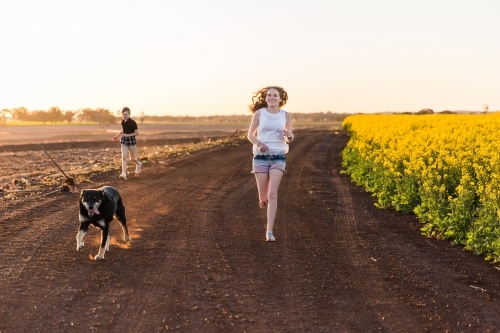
129,127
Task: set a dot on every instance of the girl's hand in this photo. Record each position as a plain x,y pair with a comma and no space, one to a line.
288,135
262,147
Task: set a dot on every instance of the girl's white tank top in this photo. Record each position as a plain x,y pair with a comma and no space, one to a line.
270,133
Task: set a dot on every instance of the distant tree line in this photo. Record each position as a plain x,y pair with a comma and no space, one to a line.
102,116
319,116
296,116
56,115
203,119
429,111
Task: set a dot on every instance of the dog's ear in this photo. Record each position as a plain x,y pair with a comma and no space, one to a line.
80,199
101,193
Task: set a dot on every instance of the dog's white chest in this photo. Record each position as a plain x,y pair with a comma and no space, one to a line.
101,222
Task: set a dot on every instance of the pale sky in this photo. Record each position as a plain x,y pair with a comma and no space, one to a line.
199,57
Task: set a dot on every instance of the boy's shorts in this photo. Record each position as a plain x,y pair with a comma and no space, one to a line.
127,148
264,163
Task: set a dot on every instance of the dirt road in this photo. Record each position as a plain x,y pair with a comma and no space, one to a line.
198,261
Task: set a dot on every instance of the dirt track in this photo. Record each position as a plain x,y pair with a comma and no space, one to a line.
198,261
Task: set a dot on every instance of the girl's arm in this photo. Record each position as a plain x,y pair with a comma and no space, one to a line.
253,129
287,132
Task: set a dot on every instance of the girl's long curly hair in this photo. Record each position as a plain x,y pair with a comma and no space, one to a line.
259,98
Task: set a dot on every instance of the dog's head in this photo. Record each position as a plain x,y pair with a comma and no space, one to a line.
91,200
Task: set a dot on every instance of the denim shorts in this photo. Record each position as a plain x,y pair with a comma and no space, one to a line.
264,163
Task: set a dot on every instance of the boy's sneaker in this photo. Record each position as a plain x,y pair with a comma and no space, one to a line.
270,237
123,176
138,167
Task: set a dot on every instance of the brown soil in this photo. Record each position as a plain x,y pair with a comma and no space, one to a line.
25,169
198,261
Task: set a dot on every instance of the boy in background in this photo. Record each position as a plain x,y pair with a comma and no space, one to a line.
128,142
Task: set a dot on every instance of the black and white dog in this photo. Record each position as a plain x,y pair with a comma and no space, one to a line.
97,208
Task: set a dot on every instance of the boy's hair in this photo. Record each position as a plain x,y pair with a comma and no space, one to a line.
125,109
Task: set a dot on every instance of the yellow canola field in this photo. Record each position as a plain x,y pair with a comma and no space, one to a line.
445,168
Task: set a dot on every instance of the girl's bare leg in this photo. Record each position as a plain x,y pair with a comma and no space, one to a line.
275,176
262,179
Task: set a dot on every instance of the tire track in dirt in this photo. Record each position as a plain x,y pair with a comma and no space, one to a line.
136,308
356,259
182,248
212,265
330,213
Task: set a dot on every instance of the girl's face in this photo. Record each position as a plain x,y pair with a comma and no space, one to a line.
126,115
273,98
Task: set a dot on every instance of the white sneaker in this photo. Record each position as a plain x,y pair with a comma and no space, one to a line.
123,176
270,237
138,167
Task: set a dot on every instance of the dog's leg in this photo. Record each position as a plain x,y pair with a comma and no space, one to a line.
125,232
122,219
107,243
81,232
104,240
